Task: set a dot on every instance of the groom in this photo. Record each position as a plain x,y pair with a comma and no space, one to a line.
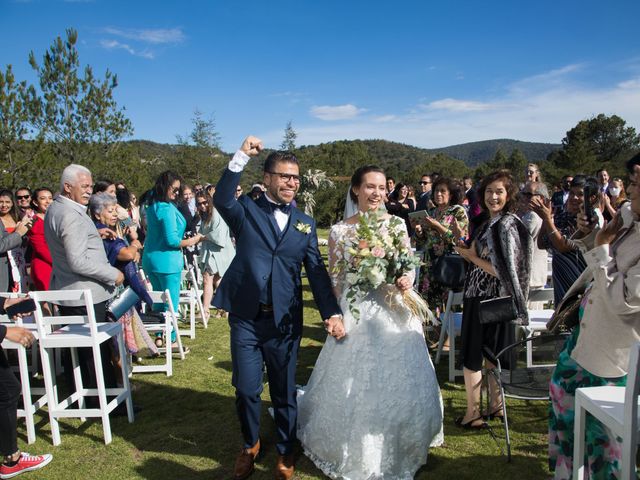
262,292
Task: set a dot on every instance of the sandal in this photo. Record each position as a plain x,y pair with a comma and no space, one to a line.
470,425
495,415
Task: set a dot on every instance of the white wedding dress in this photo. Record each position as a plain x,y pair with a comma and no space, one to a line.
372,406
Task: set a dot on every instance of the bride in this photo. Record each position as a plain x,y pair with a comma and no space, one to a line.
372,406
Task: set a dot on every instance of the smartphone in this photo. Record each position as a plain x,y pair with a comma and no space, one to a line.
26,306
418,215
127,222
588,191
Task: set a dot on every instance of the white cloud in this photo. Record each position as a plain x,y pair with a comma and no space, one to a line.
153,36
114,44
540,108
337,112
453,105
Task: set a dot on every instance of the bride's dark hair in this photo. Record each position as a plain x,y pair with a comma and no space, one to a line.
358,176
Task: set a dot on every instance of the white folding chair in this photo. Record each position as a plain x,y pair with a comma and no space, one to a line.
538,319
451,325
617,409
30,405
189,299
79,331
167,322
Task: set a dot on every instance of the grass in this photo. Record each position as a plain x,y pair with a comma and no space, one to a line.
188,426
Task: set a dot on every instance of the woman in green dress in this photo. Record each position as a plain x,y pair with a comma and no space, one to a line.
217,249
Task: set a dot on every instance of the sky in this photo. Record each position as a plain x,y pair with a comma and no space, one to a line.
426,73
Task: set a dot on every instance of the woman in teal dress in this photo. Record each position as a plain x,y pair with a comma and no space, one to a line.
217,249
162,258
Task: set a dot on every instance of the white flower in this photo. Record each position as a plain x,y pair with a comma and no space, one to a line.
376,277
303,227
352,278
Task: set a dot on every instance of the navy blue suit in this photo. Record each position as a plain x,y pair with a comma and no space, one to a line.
266,270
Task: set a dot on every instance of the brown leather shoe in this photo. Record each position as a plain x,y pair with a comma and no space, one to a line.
285,467
244,463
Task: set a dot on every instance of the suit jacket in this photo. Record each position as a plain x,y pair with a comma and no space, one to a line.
423,201
79,259
8,241
264,258
165,229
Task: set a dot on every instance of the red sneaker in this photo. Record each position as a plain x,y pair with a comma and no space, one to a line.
26,463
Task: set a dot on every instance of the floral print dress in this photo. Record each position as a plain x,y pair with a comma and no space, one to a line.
435,245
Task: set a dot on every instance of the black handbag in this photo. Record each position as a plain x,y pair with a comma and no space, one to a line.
449,270
567,316
498,310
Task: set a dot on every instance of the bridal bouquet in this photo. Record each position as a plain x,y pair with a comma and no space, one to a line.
379,254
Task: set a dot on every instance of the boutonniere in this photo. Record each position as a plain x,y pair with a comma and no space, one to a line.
303,227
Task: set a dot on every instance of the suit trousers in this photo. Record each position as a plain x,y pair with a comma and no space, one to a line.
253,343
9,396
85,355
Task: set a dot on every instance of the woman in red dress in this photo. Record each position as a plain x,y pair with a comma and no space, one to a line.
40,256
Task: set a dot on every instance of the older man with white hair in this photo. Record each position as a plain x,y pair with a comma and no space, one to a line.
80,261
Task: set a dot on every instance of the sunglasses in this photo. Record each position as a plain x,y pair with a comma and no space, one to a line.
22,197
203,203
176,190
424,183
238,189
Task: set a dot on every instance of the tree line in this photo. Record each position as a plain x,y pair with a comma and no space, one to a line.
71,115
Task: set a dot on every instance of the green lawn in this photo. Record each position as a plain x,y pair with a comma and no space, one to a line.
188,427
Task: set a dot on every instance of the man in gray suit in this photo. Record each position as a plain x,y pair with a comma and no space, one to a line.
80,261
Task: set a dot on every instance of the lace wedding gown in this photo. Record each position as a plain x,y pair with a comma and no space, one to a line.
372,406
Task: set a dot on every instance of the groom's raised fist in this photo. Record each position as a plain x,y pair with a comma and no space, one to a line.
252,146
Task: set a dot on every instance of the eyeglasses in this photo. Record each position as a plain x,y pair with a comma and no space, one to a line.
203,203
286,177
22,197
424,183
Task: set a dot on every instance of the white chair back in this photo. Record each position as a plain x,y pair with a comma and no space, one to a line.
45,323
630,426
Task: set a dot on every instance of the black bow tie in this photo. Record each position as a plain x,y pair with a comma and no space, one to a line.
283,207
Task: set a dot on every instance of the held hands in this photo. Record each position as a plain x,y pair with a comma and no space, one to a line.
252,146
335,327
404,283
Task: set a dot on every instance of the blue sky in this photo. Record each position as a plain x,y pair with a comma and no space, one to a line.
425,73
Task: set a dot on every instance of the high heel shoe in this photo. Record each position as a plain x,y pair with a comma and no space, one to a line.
470,425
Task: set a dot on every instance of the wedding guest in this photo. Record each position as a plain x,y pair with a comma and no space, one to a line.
162,257
532,173
15,258
14,460
438,234
41,262
559,198
597,352
217,249
614,199
603,180
500,262
79,263
105,185
533,222
424,199
23,200
556,235
126,226
391,185
401,205
123,256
